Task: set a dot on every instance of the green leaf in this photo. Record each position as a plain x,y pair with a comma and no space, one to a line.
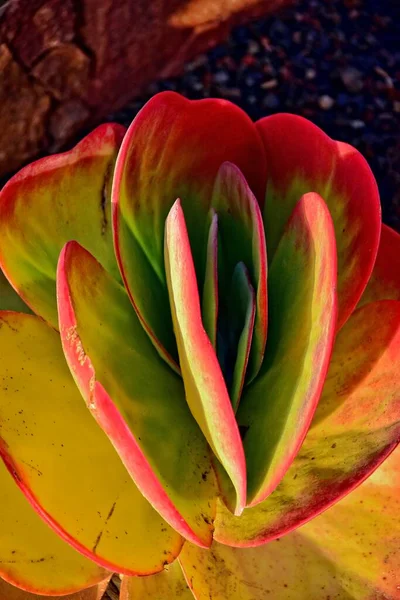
65,465
134,395
276,410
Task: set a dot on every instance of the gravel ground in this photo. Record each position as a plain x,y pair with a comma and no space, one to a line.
336,62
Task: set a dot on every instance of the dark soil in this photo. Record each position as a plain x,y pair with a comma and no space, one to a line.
336,62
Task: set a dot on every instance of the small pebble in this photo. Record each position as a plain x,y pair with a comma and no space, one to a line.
311,74
357,124
326,102
352,79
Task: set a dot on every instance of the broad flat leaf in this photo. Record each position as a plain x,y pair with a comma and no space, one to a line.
278,570
9,299
64,463
350,552
9,592
206,392
32,556
170,584
385,279
356,426
301,158
209,303
173,149
367,557
242,297
54,200
134,396
242,239
276,410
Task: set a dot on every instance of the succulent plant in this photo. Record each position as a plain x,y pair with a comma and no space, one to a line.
225,299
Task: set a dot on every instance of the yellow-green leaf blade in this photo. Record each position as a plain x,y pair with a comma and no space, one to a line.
134,395
169,584
356,426
9,299
9,592
209,303
32,556
206,392
276,410
350,552
367,557
56,199
64,463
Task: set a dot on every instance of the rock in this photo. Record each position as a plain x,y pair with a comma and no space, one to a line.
66,64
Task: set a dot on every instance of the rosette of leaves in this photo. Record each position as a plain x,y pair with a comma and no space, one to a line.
200,354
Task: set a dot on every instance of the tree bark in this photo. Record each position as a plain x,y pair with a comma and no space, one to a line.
65,64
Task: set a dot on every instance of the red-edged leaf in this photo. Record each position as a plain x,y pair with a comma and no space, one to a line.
301,158
174,149
170,584
243,301
32,556
9,299
9,592
356,426
385,279
66,466
209,303
134,396
242,239
276,410
350,552
54,200
205,387
366,560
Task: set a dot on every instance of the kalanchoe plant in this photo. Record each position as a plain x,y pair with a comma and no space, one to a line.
225,299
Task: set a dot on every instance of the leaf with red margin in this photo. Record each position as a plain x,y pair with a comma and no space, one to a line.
350,552
169,584
242,239
134,396
242,318
356,426
173,149
9,299
63,462
277,409
278,570
54,200
205,388
209,304
385,279
32,556
301,158
9,592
